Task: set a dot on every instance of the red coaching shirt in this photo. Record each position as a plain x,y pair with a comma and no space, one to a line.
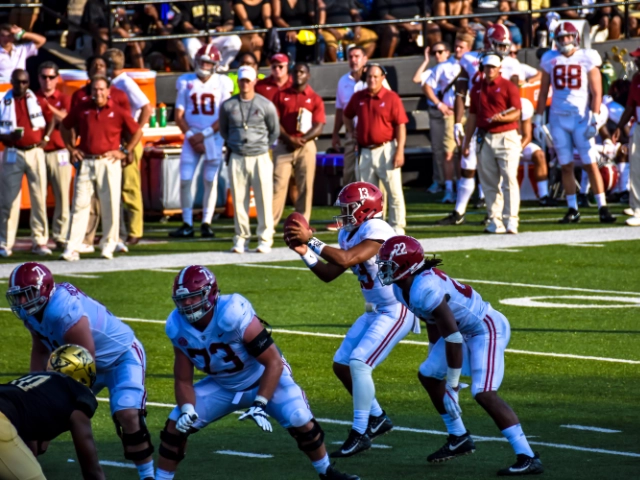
30,136
491,98
118,96
634,95
288,103
378,116
59,101
268,88
100,129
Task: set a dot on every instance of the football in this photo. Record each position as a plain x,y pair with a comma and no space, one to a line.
289,222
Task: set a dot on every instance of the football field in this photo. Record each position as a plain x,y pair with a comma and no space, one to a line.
572,367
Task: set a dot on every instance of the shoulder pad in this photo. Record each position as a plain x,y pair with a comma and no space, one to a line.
172,327
233,311
376,229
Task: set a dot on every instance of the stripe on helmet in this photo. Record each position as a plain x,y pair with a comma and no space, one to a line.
12,281
182,274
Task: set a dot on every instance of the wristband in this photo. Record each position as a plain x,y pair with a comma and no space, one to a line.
188,134
207,132
316,245
309,258
261,400
187,407
18,36
453,376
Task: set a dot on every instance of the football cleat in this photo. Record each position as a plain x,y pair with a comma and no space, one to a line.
572,216
480,203
185,231
333,474
449,197
583,200
547,201
456,446
355,443
624,197
434,188
524,465
206,231
605,215
454,218
378,426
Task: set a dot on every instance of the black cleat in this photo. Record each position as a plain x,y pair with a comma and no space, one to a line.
480,203
456,446
485,221
355,443
454,218
378,426
605,215
547,201
624,198
583,200
206,231
185,231
572,216
524,465
333,474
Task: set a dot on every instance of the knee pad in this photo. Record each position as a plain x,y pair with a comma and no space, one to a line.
311,440
136,438
209,171
360,369
178,441
300,417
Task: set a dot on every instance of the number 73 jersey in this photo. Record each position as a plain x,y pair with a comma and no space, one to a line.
570,79
201,100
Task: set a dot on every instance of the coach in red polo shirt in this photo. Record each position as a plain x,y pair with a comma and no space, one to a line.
279,78
495,111
381,135
101,125
98,66
302,118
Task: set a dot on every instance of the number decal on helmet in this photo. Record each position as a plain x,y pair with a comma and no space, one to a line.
364,193
399,249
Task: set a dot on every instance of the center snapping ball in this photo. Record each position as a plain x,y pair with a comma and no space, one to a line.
289,222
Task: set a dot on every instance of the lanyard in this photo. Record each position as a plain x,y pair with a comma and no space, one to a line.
244,122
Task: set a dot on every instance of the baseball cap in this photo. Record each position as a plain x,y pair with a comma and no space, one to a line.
247,73
635,53
491,60
279,58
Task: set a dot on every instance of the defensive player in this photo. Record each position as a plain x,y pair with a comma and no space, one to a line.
465,322
59,314
385,321
36,408
222,336
198,101
574,74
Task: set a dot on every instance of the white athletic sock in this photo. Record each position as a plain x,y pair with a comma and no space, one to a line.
448,185
584,182
466,186
623,183
145,470
601,199
543,188
480,192
376,409
209,203
454,427
164,475
364,391
322,465
572,201
518,440
187,215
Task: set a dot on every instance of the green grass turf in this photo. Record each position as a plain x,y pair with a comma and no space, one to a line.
545,392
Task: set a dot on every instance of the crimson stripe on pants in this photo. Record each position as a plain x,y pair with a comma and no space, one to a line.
138,350
385,342
491,352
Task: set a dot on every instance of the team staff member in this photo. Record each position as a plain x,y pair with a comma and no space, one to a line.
38,407
302,118
279,78
58,104
12,56
249,124
381,135
141,112
23,131
100,123
495,111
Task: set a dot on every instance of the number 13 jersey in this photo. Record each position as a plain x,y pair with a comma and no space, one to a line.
570,79
367,272
201,100
432,286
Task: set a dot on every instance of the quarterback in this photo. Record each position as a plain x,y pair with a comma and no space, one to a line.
222,336
385,321
59,313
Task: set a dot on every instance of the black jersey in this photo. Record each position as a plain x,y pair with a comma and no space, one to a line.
40,404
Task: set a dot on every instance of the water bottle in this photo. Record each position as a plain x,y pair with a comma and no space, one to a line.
340,52
163,114
608,74
542,38
153,119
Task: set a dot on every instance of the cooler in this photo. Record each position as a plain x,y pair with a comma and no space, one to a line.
4,88
72,80
146,80
328,181
531,91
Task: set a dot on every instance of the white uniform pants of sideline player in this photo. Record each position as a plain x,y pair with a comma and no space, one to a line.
483,355
288,405
229,46
210,169
376,165
634,172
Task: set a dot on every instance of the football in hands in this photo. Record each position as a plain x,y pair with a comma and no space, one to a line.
290,222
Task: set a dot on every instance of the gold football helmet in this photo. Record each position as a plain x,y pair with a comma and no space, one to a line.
74,361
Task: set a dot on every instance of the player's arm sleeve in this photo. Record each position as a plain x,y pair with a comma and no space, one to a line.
594,60
545,64
85,399
237,315
430,294
181,99
70,312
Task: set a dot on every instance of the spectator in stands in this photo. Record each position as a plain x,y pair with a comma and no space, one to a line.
219,18
96,18
297,13
14,55
381,135
449,27
250,61
279,78
59,174
141,112
101,126
24,17
23,132
302,118
249,15
498,144
538,21
407,36
338,39
482,24
249,124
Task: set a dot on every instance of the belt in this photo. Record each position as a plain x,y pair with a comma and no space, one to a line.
371,147
94,157
27,147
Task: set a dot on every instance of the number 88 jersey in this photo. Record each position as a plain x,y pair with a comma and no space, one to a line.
570,79
201,100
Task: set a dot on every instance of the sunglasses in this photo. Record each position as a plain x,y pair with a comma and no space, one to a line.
48,77
23,82
437,52
278,66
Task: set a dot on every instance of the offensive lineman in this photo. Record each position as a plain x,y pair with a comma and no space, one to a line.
466,324
198,101
222,336
58,314
575,110
385,321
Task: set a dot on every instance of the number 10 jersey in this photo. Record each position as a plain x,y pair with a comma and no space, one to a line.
200,100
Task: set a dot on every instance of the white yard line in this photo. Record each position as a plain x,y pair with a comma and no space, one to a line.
243,454
109,463
80,275
165,270
373,445
585,245
276,267
591,429
507,250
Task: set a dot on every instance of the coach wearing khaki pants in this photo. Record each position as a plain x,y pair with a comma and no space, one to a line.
100,124
23,131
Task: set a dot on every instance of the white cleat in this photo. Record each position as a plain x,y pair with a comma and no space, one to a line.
70,255
84,248
121,248
5,252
